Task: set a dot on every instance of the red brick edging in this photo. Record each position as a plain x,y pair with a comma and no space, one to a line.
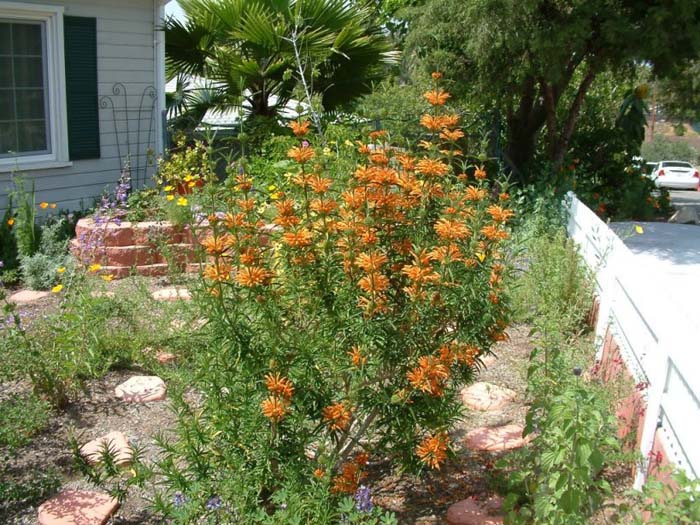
144,248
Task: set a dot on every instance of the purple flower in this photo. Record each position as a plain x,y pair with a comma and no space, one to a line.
179,499
214,503
305,144
363,499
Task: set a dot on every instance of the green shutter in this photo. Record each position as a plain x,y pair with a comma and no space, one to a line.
81,87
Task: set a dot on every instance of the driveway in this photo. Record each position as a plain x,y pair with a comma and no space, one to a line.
684,198
672,254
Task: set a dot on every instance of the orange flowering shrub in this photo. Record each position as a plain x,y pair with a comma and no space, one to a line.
351,310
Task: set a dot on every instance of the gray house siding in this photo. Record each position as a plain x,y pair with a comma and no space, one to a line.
126,54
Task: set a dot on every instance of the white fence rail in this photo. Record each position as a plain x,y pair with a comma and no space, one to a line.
659,340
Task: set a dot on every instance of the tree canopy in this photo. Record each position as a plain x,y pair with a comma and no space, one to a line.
534,61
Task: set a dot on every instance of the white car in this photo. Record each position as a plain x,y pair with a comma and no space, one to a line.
676,174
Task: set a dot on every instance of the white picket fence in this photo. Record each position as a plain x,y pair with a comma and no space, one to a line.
659,342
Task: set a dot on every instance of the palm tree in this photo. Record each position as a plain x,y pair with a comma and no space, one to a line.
244,52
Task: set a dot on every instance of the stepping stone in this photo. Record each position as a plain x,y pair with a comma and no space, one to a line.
474,512
115,442
165,358
486,396
489,360
77,507
171,294
141,389
497,439
27,296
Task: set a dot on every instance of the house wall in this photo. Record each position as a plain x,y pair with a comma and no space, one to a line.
126,54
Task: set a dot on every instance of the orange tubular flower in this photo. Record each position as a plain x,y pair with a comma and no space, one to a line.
449,121
451,135
250,276
436,75
429,376
243,183
319,473
379,158
499,214
300,129
431,167
218,272
433,450
480,173
374,283
436,97
302,154
493,233
407,162
218,245
443,254
323,206
320,184
249,256
420,274
374,135
233,221
357,358
432,123
361,458
371,262
451,229
475,194
349,478
279,385
298,239
274,408
363,149
337,416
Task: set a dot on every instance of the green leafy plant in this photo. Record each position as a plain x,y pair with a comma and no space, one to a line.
20,419
668,502
25,226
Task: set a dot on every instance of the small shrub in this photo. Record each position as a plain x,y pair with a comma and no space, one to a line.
347,310
40,271
20,419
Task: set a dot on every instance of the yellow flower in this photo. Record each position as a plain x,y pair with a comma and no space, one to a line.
170,197
94,268
168,188
10,221
62,269
182,201
188,178
191,184
52,205
271,187
107,278
481,257
275,196
327,152
43,205
349,143
639,229
57,288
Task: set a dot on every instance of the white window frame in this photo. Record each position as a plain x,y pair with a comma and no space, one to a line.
52,18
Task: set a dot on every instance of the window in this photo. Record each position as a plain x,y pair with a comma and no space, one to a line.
32,87
24,126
